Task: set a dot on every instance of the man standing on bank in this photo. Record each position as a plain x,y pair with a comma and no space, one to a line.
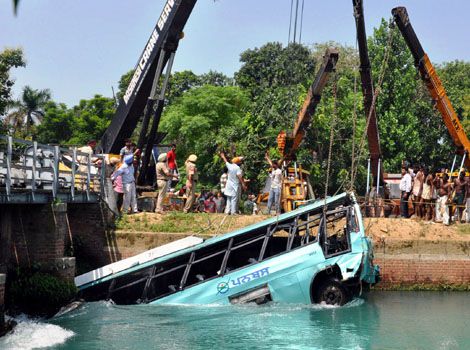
234,181
405,188
171,158
276,185
192,177
164,176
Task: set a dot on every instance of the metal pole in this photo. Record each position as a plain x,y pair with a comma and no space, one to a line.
377,210
88,170
55,184
9,152
378,177
452,169
74,162
33,178
463,160
368,177
158,108
103,177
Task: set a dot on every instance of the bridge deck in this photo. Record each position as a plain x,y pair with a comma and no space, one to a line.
35,173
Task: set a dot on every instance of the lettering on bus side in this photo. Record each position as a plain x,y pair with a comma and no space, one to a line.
224,287
144,59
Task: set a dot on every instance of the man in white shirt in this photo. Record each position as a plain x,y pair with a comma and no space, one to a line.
405,188
276,186
234,181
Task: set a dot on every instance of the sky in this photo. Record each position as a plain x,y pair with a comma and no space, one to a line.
81,48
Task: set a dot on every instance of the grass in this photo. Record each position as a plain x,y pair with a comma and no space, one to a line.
463,229
178,222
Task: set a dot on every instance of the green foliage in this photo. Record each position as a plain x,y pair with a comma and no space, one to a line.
57,124
29,112
402,123
91,118
39,293
86,121
123,83
455,77
204,120
9,58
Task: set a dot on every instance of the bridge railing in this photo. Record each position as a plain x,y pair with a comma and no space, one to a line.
38,170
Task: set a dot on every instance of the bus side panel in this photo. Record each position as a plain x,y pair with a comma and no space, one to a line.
272,271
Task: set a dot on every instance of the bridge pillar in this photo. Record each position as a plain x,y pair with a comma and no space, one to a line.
35,234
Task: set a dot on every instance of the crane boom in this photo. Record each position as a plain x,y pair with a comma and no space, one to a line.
433,83
367,91
162,43
288,144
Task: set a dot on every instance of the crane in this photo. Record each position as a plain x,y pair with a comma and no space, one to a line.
145,93
367,84
288,144
433,83
295,178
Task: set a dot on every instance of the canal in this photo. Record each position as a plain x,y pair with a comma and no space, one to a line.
385,320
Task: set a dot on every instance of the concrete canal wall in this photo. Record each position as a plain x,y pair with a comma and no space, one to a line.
423,264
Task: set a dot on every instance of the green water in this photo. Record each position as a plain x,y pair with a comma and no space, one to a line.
386,320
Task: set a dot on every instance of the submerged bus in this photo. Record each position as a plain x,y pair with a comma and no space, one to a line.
318,253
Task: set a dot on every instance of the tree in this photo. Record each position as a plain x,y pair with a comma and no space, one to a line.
455,77
91,118
181,82
9,58
57,124
404,108
123,83
30,107
206,119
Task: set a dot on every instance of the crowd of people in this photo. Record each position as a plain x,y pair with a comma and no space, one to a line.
434,195
121,184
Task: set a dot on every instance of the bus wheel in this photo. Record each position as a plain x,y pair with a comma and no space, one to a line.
331,292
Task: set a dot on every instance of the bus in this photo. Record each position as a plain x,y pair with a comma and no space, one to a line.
318,253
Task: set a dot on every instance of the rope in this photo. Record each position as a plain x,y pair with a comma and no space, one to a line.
295,21
354,120
332,133
290,20
376,93
301,22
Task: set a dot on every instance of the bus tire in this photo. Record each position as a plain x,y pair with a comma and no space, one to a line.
331,292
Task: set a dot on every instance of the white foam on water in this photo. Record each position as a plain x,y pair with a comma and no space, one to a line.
33,334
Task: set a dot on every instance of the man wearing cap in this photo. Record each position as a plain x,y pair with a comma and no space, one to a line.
164,177
128,184
234,180
191,173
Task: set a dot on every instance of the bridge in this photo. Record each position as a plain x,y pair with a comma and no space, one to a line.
31,172
52,210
